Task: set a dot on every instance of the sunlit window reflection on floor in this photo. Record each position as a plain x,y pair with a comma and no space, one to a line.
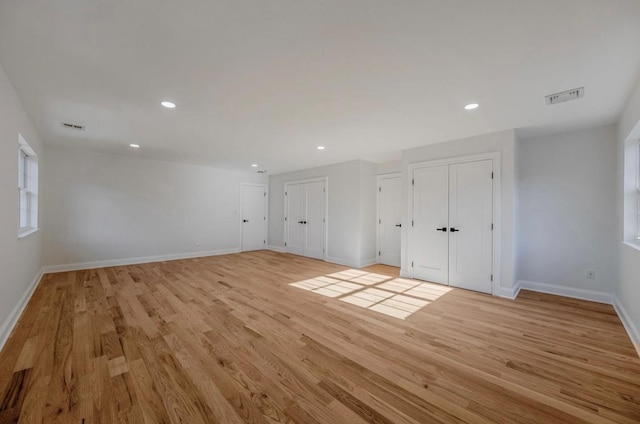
396,297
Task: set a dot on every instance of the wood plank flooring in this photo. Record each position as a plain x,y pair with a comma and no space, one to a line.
226,340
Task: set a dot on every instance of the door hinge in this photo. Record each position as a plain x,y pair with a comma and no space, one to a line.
323,250
379,253
265,194
413,181
379,221
285,244
285,193
264,242
492,175
323,220
324,190
265,218
411,264
380,189
412,222
285,218
491,277
492,225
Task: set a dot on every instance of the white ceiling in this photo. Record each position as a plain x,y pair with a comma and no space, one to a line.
265,82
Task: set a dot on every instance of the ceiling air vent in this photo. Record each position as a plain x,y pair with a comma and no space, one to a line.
73,126
565,96
262,172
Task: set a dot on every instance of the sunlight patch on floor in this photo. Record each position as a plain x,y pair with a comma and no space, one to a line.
395,297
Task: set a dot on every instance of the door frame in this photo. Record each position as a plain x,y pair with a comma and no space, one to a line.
265,212
326,209
379,179
497,202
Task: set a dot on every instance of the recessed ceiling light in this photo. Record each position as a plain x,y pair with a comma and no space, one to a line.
320,147
254,165
168,105
135,146
471,106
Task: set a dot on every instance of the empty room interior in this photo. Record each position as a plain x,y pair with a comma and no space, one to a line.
346,212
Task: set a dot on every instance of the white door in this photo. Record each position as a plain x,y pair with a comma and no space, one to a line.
295,200
470,222
389,220
430,241
452,233
253,217
315,220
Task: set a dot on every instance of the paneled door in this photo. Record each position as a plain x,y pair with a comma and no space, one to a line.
254,198
389,219
305,209
452,224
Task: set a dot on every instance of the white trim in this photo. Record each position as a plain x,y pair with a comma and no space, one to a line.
25,232
592,295
12,320
495,157
379,179
628,324
632,244
325,180
133,261
351,263
265,230
508,293
278,249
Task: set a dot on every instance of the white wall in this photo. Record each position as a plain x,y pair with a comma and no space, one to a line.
503,142
389,167
566,202
348,219
628,292
20,260
368,205
105,207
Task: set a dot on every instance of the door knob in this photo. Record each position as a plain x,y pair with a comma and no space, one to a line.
442,229
398,225
304,222
453,230
300,222
245,220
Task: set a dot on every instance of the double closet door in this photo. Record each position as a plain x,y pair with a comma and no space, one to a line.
305,218
452,224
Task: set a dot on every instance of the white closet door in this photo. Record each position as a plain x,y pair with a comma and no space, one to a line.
253,217
430,224
314,221
470,221
295,218
390,215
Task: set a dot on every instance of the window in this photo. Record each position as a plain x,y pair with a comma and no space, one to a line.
27,188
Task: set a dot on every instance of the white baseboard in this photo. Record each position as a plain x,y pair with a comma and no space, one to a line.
508,293
132,261
16,313
628,324
592,295
368,262
341,261
278,249
404,273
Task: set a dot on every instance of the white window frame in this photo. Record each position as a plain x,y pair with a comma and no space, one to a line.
27,189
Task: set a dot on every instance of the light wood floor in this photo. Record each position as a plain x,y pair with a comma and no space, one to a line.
227,340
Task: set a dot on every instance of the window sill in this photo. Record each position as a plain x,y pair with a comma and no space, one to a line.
633,244
25,233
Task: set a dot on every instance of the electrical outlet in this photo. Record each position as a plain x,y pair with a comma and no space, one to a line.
591,274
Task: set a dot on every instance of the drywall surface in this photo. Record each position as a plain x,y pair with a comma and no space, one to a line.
20,259
106,207
389,167
567,202
368,205
347,221
503,142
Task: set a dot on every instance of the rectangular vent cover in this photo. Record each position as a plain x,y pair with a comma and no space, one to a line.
73,126
565,96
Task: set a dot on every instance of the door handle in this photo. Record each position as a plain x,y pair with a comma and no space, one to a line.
398,225
442,229
300,222
304,222
453,230
245,220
